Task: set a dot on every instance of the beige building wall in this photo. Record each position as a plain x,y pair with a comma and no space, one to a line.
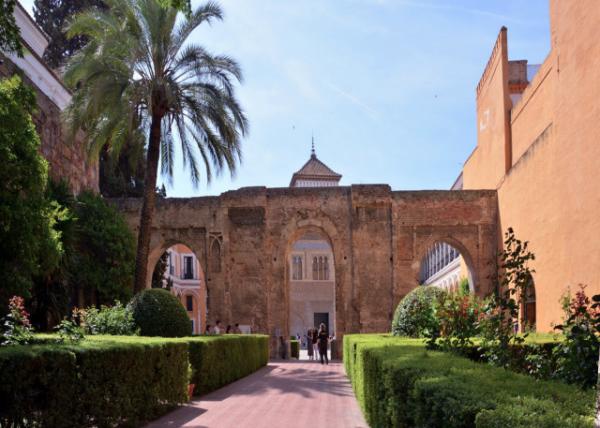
188,290
550,194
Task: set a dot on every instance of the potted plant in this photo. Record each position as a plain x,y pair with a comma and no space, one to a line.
191,385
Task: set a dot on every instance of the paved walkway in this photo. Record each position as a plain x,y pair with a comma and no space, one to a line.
301,394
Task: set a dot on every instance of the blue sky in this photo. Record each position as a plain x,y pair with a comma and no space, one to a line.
386,86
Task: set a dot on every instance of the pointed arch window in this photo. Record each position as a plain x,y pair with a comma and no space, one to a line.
215,256
297,268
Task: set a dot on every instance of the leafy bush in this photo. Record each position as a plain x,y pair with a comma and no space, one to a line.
219,360
159,313
28,242
100,383
577,355
69,332
399,383
415,314
295,349
116,320
102,260
16,326
498,326
458,314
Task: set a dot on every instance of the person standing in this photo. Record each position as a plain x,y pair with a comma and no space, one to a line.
309,344
218,327
323,340
314,342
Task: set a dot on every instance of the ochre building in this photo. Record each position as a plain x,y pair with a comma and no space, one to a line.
538,145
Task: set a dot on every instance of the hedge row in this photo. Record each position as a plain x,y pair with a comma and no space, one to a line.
219,360
117,380
92,384
399,383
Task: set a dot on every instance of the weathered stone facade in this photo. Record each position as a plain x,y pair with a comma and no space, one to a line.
68,161
378,238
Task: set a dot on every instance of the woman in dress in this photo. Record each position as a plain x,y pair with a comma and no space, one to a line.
323,341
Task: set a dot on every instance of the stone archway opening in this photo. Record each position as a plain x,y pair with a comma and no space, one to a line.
179,271
311,278
446,265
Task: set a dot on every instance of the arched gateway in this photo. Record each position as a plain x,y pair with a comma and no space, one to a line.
378,238
366,245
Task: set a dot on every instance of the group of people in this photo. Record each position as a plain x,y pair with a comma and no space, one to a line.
218,329
317,341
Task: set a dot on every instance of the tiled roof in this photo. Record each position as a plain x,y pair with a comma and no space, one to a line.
314,169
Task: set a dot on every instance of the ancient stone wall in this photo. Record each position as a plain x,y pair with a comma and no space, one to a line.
378,238
68,161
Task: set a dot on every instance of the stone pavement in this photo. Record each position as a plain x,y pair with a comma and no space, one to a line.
285,394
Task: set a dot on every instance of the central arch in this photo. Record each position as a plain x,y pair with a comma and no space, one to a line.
310,281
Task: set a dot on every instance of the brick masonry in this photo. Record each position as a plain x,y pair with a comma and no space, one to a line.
68,161
378,236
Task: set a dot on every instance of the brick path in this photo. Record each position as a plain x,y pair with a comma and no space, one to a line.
292,394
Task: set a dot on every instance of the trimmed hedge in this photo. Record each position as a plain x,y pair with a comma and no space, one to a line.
399,383
159,313
219,360
295,349
117,380
92,384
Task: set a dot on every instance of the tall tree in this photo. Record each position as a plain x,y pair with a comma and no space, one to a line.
139,75
52,16
10,36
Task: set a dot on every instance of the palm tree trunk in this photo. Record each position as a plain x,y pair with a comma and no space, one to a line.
143,248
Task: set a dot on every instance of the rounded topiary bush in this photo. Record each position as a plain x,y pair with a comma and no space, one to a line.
415,314
158,313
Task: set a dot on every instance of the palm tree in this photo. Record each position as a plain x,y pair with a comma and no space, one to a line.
138,75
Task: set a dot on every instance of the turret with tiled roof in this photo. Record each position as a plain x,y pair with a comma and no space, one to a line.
315,173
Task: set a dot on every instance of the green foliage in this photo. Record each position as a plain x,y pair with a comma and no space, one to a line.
415,314
16,326
158,313
100,383
10,36
295,349
28,243
399,383
577,355
103,259
122,174
458,315
52,17
115,320
69,332
499,325
219,360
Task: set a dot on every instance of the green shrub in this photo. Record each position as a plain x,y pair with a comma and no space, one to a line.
295,349
399,383
103,383
158,313
219,360
415,314
102,259
116,320
28,242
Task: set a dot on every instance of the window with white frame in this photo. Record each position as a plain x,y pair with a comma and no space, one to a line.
320,268
297,267
188,267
